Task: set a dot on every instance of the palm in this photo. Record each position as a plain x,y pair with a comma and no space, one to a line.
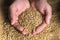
46,11
16,9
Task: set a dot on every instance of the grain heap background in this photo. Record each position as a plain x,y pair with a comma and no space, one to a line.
30,19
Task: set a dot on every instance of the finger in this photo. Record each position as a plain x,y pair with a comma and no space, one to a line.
21,29
40,28
33,4
24,32
42,11
48,15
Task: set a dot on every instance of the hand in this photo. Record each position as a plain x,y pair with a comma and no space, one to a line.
16,9
46,11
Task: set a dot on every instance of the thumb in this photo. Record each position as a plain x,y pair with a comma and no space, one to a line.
48,15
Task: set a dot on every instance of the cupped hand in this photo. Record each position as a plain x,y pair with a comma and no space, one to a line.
46,10
16,8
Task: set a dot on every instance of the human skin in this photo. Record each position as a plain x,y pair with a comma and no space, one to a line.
19,6
46,10
16,8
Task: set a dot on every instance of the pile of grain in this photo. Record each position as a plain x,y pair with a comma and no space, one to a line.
30,19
